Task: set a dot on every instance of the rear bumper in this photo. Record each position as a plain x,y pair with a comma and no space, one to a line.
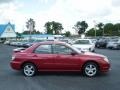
15,65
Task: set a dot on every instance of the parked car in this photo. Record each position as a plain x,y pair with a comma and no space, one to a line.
101,43
84,45
94,41
114,44
67,41
58,56
14,43
7,42
18,50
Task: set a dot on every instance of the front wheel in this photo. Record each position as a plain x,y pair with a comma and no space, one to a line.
29,69
90,69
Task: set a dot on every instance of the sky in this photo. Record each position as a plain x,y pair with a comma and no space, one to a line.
67,12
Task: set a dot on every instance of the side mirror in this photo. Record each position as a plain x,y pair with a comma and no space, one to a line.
73,53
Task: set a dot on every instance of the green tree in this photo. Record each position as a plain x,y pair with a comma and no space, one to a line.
26,32
30,24
48,28
100,31
19,35
32,32
90,32
100,26
67,34
81,27
116,30
57,27
108,29
53,27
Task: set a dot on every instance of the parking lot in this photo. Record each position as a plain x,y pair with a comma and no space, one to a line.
14,80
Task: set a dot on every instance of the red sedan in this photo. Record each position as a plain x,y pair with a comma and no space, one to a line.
58,56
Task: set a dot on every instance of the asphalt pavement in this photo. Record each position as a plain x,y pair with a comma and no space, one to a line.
14,80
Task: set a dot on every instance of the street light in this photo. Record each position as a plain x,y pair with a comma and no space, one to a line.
30,26
95,25
103,31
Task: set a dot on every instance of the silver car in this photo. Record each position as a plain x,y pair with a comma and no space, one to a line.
114,44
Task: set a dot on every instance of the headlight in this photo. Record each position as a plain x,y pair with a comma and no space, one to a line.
106,59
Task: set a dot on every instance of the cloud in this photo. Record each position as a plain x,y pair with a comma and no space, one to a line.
5,1
10,13
116,3
67,12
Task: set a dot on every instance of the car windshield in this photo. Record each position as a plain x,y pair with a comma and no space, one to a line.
82,42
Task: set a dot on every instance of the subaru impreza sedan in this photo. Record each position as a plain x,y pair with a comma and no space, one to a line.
58,56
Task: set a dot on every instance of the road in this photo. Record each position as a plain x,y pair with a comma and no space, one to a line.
14,80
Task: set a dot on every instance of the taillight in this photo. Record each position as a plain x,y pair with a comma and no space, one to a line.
13,57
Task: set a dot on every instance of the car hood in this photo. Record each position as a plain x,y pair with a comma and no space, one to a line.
94,54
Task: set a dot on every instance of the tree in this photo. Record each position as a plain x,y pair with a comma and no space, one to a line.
67,34
53,27
18,35
57,27
49,30
80,27
30,24
26,32
100,26
91,32
32,32
116,30
108,29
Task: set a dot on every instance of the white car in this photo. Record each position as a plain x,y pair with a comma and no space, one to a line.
84,45
114,44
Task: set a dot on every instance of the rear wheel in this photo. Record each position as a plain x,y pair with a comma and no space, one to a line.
29,69
90,69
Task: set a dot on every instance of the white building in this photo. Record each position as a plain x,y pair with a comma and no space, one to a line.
7,31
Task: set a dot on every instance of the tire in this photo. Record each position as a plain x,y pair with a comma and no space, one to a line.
98,46
29,69
93,50
90,69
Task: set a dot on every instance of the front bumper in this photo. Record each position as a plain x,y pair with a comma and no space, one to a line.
105,67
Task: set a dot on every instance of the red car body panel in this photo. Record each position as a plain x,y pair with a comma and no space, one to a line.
56,62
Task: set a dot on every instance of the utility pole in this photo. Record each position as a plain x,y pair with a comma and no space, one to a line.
103,31
95,27
30,27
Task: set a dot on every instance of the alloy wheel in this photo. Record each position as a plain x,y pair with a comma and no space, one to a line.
29,70
90,69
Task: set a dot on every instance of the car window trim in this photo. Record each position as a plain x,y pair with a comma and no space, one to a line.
66,47
41,53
